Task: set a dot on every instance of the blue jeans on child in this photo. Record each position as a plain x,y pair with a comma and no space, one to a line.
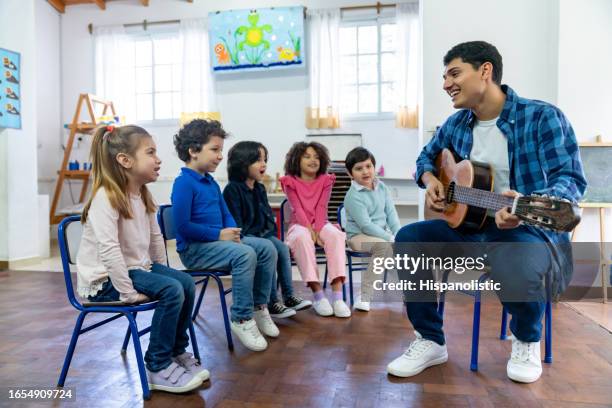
251,264
510,271
175,292
283,272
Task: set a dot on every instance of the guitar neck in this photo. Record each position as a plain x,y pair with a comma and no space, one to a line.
479,198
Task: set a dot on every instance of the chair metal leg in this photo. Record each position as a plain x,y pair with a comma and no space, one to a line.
475,333
228,332
71,346
350,276
504,324
146,393
196,309
127,337
548,333
442,295
194,342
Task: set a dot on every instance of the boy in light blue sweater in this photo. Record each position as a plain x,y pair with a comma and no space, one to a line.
371,217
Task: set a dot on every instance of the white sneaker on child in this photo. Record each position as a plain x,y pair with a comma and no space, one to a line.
362,305
249,335
173,378
525,364
265,324
421,353
323,308
341,309
191,365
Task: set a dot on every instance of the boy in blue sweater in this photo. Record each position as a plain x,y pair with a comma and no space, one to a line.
207,237
371,218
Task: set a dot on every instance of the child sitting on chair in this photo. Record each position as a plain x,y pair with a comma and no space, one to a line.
371,218
207,236
247,200
122,255
308,189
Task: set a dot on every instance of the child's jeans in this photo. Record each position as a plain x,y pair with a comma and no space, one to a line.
252,268
175,291
283,269
303,250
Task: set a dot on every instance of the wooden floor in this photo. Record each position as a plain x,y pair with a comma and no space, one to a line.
318,362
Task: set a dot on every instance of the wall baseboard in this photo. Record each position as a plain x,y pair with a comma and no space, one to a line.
23,263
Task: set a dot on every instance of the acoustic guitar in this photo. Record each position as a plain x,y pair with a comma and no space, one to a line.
469,194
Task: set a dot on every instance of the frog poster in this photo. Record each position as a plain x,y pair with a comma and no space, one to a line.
10,92
256,39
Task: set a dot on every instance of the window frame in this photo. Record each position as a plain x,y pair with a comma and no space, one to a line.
378,21
150,34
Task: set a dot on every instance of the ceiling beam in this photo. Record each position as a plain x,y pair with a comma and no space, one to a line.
101,4
58,5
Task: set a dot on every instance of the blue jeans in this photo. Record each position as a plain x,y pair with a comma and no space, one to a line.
251,264
511,272
283,272
175,292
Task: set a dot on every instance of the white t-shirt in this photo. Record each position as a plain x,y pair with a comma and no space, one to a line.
491,146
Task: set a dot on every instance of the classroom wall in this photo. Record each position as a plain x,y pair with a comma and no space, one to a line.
18,157
543,45
265,106
585,58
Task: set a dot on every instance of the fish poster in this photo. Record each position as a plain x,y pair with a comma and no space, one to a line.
256,39
10,90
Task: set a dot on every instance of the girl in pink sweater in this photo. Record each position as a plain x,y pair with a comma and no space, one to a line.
308,189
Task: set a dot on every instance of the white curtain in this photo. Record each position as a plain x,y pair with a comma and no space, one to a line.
114,69
197,89
407,17
324,59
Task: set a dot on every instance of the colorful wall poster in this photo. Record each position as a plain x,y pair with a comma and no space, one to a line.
256,39
10,90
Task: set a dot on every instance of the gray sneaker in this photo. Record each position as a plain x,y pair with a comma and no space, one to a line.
173,378
189,363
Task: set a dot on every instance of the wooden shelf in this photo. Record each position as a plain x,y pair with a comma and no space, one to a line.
85,128
81,126
76,174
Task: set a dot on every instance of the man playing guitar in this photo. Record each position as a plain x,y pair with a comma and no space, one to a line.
532,150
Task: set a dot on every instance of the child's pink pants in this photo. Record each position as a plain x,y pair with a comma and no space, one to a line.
303,250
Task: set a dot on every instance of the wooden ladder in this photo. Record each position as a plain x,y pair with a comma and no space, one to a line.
80,127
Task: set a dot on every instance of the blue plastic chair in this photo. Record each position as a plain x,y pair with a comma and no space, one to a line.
69,237
350,254
168,230
502,335
319,252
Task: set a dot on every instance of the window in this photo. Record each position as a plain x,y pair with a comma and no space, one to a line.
157,76
368,68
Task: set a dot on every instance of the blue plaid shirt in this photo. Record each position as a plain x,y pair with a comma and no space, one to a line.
543,154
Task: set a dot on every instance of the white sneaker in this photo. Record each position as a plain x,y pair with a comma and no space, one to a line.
341,309
264,322
525,364
249,335
322,307
421,354
362,305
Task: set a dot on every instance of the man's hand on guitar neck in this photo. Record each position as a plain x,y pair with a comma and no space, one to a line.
504,218
434,194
